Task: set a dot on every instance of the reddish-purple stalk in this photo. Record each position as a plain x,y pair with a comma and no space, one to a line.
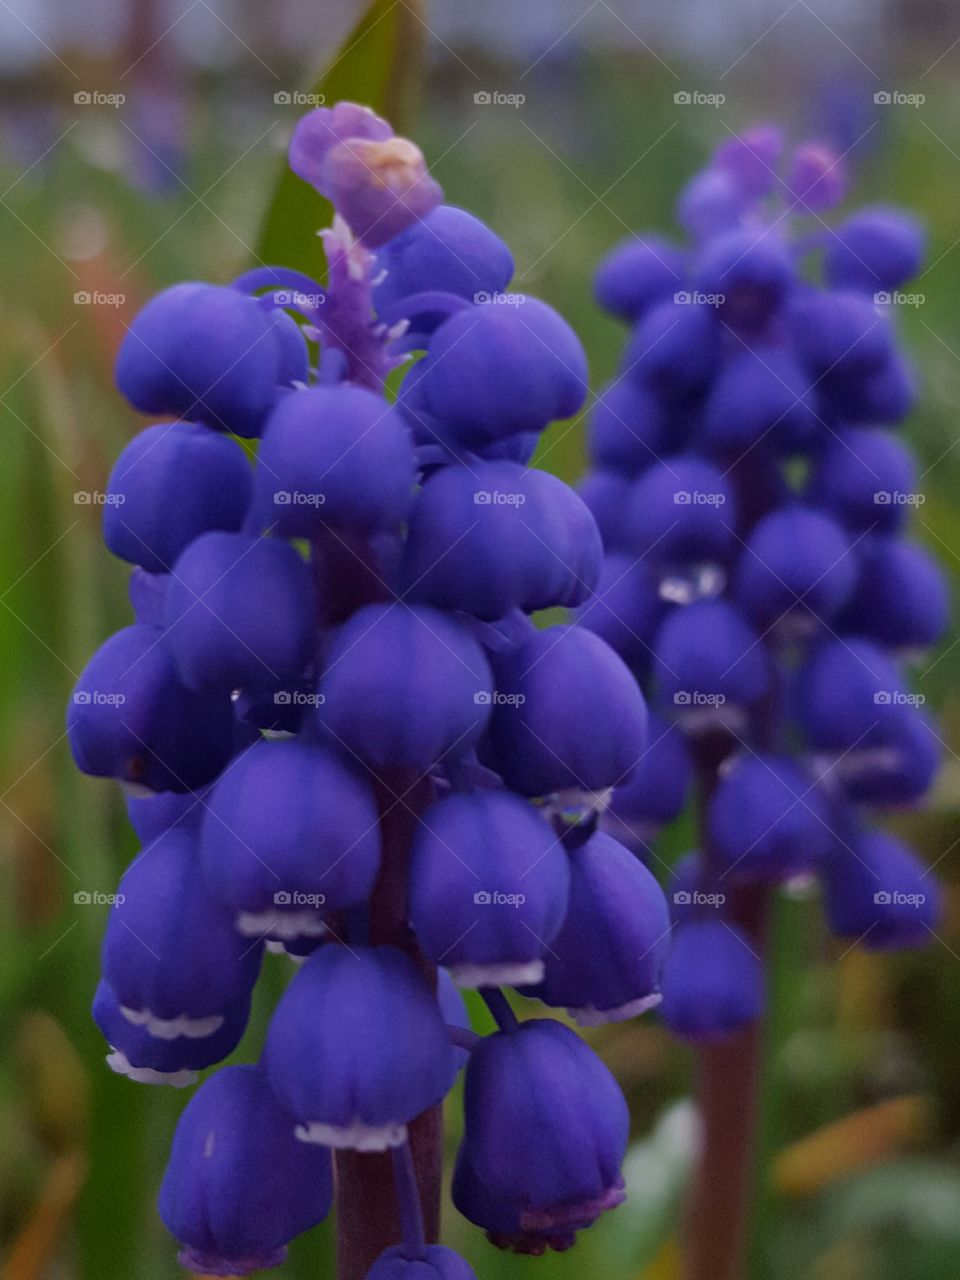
729,1076
729,1097
368,1214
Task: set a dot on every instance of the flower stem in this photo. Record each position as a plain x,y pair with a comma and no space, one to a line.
498,1005
729,1090
408,1200
370,1217
729,1086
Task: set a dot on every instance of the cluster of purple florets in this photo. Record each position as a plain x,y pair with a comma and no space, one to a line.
757,578
335,643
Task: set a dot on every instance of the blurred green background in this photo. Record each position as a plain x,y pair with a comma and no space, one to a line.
109,201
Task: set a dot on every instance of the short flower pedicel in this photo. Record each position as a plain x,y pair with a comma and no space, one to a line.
331,641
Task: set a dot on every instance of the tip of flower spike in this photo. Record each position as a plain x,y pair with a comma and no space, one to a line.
377,181
817,178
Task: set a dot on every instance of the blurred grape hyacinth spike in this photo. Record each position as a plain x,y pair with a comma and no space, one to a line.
750,431
344,740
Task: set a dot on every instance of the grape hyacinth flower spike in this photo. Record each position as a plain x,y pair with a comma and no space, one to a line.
343,738
753,500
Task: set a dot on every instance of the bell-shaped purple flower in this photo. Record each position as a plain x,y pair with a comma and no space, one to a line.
604,965
626,609
516,368
712,202
448,251
628,427
495,536
568,714
766,820
357,1048
404,686
545,1131
607,494
711,667
876,249
433,1262
682,513
838,335
203,352
336,457
866,478
172,482
656,791
901,601
797,567
171,956
876,891
884,395
238,1185
131,717
748,273
870,738
239,611
712,981
290,833
675,348
489,885
761,399
637,273
146,1058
